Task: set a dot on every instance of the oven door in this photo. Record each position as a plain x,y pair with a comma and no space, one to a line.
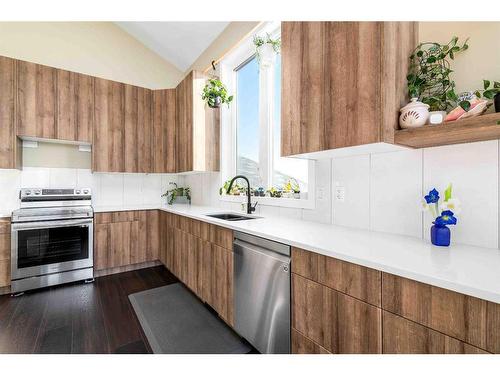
41,248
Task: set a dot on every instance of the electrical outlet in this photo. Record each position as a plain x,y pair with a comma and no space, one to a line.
339,193
320,194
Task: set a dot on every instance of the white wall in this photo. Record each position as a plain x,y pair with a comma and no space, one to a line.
110,191
383,192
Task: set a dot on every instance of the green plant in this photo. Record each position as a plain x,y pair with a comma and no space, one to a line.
213,90
175,192
488,92
259,41
236,189
429,76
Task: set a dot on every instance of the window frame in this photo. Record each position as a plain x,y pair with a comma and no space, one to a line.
228,73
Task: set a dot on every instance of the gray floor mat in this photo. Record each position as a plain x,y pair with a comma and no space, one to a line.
176,322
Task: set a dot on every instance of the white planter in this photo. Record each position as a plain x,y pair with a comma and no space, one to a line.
267,55
414,115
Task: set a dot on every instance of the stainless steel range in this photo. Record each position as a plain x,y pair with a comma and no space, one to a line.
52,238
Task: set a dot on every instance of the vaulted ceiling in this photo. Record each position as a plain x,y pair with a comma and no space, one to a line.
180,43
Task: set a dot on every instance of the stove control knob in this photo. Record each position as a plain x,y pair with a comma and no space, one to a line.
28,192
85,191
77,191
38,192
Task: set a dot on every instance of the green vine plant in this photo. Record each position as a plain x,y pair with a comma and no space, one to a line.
489,91
175,192
215,93
259,41
429,77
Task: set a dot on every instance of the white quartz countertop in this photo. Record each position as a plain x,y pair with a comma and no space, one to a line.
470,270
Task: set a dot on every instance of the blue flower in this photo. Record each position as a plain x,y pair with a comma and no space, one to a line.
446,218
432,197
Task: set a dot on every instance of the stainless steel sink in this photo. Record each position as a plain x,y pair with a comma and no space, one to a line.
232,217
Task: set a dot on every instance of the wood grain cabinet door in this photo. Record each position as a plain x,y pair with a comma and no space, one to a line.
339,323
454,314
108,148
303,345
4,252
402,336
101,246
326,102
7,127
222,283
164,131
75,106
36,100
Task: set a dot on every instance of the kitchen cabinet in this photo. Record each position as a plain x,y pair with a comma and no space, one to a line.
126,237
138,131
164,131
302,345
108,146
201,256
454,314
36,100
9,144
338,322
4,252
197,127
75,106
402,336
343,83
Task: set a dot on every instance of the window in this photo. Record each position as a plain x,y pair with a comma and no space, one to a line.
251,127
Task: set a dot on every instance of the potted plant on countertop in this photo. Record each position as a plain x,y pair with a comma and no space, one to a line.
178,194
443,214
215,93
266,49
429,80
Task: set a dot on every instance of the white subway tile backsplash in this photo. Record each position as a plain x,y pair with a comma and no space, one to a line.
10,182
396,192
132,189
473,170
111,190
322,212
84,179
32,177
353,174
151,189
65,178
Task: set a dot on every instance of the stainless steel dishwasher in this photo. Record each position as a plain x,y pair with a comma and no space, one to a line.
262,292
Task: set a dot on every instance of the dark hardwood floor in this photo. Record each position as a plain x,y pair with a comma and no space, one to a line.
79,318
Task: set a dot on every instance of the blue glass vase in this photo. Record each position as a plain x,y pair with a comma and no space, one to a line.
440,235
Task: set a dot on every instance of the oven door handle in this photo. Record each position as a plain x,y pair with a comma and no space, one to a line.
50,224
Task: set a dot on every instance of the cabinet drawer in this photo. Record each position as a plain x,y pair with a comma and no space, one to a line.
357,281
402,336
454,314
302,345
339,323
222,237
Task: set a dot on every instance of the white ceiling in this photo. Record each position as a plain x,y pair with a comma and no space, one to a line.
180,43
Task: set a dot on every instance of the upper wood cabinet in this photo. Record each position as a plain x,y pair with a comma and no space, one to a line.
164,131
108,146
343,83
36,100
198,127
75,106
9,147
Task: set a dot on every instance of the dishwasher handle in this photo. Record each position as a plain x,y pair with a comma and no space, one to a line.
240,246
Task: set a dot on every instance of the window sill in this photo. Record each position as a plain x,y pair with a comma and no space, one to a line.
268,201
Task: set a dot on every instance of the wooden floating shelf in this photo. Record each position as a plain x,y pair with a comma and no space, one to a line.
475,129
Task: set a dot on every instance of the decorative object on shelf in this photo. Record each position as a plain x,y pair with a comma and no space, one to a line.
236,189
266,49
429,76
414,114
260,192
275,193
440,233
473,107
293,187
215,93
496,99
437,117
178,194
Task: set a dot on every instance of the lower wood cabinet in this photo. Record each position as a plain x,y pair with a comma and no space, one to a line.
4,252
200,255
336,321
402,336
303,345
124,238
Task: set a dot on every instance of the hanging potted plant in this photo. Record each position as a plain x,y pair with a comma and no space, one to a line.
266,49
215,93
178,194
